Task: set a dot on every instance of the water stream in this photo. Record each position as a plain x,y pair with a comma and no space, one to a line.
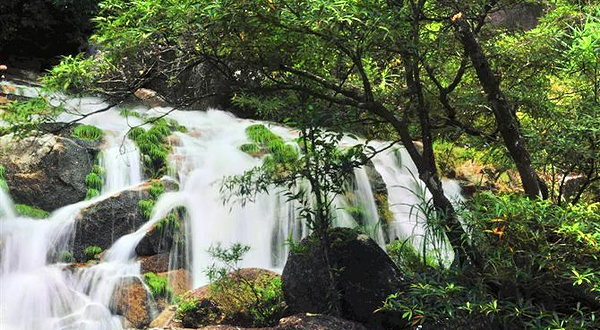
38,291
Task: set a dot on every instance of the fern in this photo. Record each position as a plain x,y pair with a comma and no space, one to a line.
87,132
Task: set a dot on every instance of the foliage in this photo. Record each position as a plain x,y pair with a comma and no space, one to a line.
540,270
24,117
261,298
31,212
158,284
75,73
92,252
87,132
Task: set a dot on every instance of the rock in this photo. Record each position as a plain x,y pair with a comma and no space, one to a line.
302,322
317,322
134,302
46,171
366,276
105,221
179,281
164,318
158,263
150,98
161,237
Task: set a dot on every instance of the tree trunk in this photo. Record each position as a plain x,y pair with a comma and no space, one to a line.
507,122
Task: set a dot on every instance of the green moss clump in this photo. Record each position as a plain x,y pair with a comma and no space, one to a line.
66,257
260,134
3,184
251,149
153,145
158,284
92,252
280,155
31,212
93,182
146,206
129,113
87,132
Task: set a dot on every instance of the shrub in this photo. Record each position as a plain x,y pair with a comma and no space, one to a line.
540,270
87,132
234,297
31,212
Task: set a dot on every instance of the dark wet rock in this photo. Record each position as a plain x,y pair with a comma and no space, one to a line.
163,235
104,222
46,171
366,276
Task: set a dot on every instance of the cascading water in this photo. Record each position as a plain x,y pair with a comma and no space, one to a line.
40,292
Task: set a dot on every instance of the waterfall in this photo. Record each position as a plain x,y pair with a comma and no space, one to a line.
39,291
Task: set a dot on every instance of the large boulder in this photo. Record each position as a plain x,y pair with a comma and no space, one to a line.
104,222
132,301
365,277
46,171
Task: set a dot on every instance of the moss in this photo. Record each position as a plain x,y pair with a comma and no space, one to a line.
279,156
156,189
251,149
92,252
383,208
93,182
87,132
153,145
146,206
66,257
129,113
3,184
158,284
260,134
31,212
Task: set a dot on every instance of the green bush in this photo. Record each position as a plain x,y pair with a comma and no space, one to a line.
87,132
31,212
540,270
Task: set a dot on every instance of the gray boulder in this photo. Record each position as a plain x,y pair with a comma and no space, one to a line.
46,171
104,222
366,276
